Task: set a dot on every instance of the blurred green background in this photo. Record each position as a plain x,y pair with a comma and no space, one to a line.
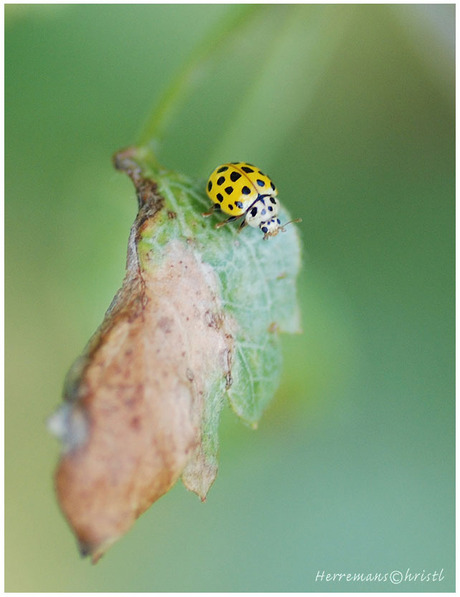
350,108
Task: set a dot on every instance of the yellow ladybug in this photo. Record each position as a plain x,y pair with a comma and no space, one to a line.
240,189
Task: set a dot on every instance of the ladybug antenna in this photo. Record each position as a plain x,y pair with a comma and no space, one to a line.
296,221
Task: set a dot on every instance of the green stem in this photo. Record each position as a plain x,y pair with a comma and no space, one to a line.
183,81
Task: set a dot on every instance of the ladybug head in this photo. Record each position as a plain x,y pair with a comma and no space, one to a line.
273,227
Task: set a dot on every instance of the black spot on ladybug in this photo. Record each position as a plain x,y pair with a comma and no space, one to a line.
270,208
273,200
219,197
209,185
272,186
278,221
229,190
230,207
234,176
264,211
260,182
245,190
264,229
261,173
221,180
222,169
254,212
247,169
238,204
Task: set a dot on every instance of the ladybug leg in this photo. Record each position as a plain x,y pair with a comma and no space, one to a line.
215,207
231,219
242,225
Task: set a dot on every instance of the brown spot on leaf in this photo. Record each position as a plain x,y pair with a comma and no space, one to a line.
273,328
136,423
213,319
228,364
166,324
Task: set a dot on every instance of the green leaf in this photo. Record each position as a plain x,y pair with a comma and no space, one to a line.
257,277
